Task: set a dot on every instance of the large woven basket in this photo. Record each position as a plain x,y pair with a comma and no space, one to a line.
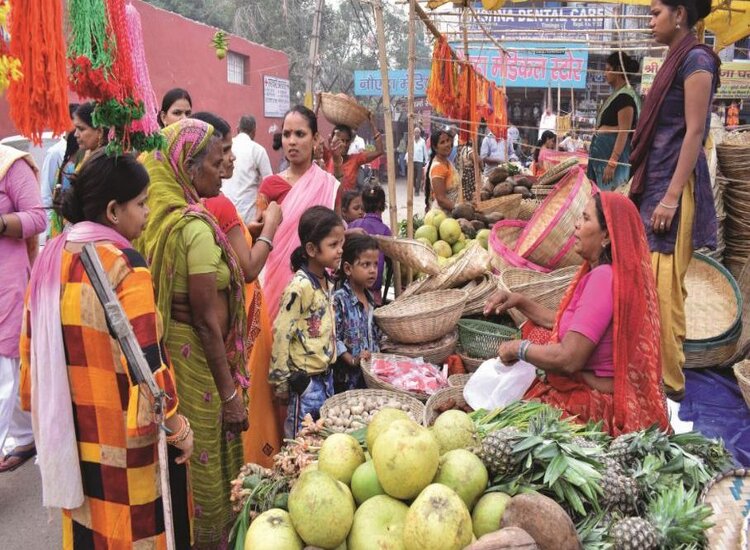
501,246
480,339
527,209
453,393
700,355
743,343
508,205
741,372
410,252
547,239
556,173
546,289
432,352
422,318
728,494
714,303
459,380
373,381
479,290
416,408
343,110
473,262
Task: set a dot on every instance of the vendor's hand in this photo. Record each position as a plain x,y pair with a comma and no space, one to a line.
508,352
364,356
234,415
186,446
609,173
500,302
661,219
337,149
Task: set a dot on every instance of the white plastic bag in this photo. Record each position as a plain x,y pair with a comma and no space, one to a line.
494,385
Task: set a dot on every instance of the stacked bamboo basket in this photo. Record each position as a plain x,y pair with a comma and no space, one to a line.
734,163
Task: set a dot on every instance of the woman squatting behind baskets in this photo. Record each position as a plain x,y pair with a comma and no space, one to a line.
357,336
94,426
304,338
602,360
443,183
671,183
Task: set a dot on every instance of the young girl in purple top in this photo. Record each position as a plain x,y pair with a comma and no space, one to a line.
373,199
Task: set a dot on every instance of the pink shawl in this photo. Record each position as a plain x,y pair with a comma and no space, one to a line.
315,188
51,407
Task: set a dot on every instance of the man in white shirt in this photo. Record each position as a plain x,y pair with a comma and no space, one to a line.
513,136
421,156
493,152
357,146
250,167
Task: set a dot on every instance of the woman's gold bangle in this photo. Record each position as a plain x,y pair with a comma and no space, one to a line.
182,433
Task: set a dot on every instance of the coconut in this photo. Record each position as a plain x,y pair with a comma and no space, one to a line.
382,419
488,512
454,430
437,520
322,509
273,529
340,455
378,523
365,484
406,457
463,472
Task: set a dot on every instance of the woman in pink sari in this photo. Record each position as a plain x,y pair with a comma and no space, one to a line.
302,185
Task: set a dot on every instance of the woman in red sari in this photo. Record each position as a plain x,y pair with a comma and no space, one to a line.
602,361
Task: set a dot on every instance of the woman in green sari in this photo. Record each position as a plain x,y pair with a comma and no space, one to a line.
199,291
609,155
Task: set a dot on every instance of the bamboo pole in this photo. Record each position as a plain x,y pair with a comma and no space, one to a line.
476,145
377,8
412,45
313,55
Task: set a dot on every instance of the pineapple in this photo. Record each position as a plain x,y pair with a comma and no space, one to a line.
619,492
673,519
634,533
629,447
497,451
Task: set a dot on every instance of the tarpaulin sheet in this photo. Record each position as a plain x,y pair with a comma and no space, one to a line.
714,404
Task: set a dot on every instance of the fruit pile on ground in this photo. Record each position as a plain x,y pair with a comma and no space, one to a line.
520,477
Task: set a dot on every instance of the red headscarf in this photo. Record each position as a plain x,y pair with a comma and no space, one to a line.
638,400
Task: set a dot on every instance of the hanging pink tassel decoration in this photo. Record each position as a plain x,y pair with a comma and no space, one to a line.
148,123
122,67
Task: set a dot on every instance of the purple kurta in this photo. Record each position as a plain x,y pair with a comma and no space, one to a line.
662,162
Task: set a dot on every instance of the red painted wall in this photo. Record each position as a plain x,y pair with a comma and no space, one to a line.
179,54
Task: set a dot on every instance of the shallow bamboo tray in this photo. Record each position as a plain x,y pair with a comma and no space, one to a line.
728,494
714,302
416,408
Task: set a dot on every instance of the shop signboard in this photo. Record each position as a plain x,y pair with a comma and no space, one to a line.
537,18
532,64
370,83
275,96
735,78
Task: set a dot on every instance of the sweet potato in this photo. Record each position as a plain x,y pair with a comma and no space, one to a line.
494,217
542,518
497,174
502,189
523,191
510,538
478,225
485,196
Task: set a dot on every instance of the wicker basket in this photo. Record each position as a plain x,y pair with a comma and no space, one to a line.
409,252
527,209
459,380
548,239
556,173
508,205
473,262
714,304
700,355
546,289
501,246
480,339
374,382
416,408
343,110
432,352
422,318
741,372
471,364
440,397
728,494
479,290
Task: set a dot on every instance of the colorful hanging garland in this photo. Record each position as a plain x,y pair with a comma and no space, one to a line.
106,42
10,67
39,100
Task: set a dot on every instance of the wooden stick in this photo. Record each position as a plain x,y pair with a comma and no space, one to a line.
377,7
475,148
410,129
